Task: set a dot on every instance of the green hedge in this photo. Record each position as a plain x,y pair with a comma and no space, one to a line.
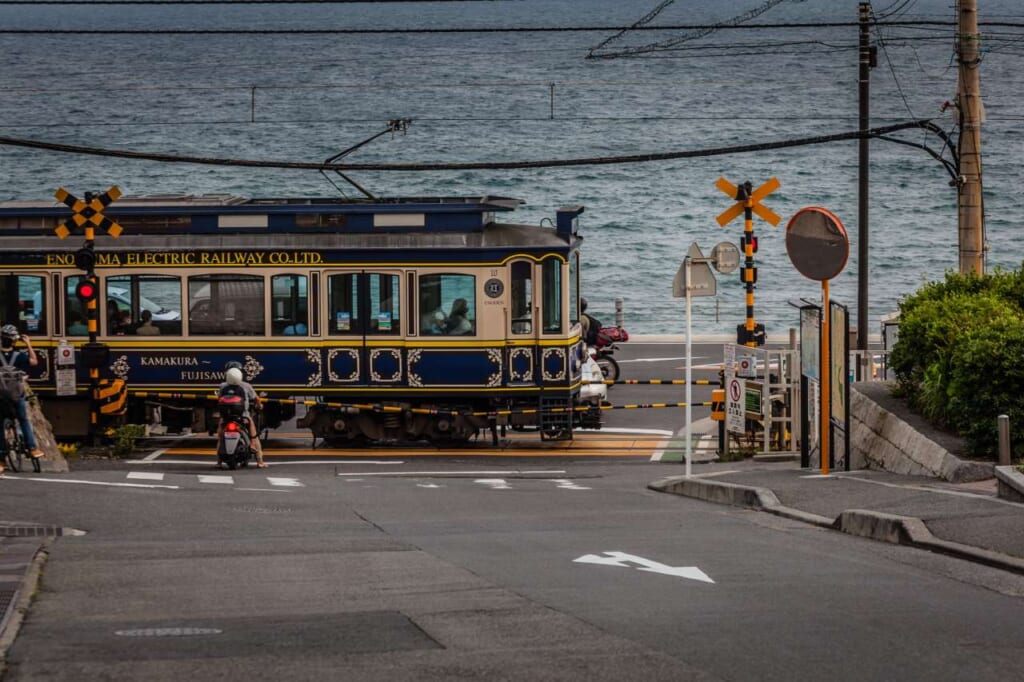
959,359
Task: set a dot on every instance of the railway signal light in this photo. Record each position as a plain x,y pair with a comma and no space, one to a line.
85,259
752,240
86,291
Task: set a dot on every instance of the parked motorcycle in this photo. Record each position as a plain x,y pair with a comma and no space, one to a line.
234,449
604,348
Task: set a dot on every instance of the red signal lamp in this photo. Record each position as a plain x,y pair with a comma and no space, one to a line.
86,291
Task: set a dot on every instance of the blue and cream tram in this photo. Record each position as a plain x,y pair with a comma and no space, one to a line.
401,319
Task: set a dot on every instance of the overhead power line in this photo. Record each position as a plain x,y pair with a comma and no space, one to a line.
879,132
666,44
479,29
220,2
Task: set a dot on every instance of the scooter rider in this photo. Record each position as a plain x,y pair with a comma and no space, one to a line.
234,377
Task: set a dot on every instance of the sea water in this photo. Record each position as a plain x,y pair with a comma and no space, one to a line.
493,97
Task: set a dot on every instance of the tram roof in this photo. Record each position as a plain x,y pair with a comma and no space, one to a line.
231,214
186,203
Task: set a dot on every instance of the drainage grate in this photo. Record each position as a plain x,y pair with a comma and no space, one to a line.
263,510
167,632
30,531
6,599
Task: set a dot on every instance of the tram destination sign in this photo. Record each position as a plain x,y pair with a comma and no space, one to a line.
163,259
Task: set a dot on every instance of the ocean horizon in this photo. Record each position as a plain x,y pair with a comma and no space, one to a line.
533,96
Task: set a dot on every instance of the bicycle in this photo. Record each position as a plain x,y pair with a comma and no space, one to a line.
14,439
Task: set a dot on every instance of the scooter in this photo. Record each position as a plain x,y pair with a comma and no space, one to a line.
234,449
605,346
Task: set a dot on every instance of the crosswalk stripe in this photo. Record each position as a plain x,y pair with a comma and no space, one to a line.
216,479
285,482
145,475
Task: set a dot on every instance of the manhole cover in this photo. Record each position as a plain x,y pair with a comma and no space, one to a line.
263,510
167,632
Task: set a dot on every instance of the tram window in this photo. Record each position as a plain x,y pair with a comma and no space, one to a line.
226,304
76,317
552,293
522,297
448,304
24,298
385,305
343,305
289,305
127,296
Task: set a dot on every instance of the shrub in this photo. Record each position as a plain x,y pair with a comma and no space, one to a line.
958,357
125,437
929,333
986,381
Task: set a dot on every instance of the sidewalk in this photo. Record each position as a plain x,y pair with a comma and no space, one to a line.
963,520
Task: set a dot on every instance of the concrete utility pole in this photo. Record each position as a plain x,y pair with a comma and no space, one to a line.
971,215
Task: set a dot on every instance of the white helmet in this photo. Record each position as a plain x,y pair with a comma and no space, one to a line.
233,376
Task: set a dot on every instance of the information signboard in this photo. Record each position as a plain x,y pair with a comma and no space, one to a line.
65,381
735,395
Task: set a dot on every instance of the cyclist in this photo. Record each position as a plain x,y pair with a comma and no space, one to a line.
20,360
233,376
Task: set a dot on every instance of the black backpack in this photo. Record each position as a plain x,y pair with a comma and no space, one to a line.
592,330
232,401
12,379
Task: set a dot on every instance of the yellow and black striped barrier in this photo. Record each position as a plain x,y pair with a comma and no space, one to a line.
377,407
657,382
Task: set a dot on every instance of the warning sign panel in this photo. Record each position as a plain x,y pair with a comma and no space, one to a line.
735,392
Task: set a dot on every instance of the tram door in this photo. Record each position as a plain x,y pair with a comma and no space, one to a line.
523,332
364,317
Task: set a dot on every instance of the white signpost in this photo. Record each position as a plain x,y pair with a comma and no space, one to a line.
695,278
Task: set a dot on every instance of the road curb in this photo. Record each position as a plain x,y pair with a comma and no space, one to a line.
11,619
901,530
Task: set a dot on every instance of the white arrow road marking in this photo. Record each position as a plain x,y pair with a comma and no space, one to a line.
568,485
427,485
286,482
216,479
623,560
495,483
145,475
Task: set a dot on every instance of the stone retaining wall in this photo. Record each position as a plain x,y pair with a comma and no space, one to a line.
883,440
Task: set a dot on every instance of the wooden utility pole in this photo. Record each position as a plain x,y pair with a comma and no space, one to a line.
971,214
864,119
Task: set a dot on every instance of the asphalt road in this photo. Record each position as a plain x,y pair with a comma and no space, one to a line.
471,566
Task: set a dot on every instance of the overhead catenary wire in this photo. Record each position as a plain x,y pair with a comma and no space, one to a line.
486,165
695,35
